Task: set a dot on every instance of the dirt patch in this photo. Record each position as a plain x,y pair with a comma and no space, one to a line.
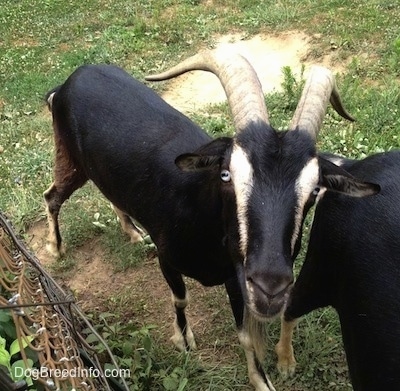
268,55
92,278
25,42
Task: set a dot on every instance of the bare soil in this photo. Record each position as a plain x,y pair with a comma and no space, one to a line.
193,91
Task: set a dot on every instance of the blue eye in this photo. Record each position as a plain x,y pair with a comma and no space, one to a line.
316,191
225,176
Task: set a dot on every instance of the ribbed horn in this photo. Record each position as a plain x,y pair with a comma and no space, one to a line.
238,78
320,88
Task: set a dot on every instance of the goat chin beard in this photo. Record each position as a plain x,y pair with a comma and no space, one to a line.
265,317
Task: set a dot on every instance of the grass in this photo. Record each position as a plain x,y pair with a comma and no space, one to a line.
42,44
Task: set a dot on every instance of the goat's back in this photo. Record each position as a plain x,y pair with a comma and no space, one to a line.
101,107
121,133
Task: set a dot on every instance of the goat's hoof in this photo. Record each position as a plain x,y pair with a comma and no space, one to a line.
179,342
191,343
286,362
286,368
182,344
135,237
53,250
259,384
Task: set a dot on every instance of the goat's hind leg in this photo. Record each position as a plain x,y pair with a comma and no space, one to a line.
251,337
128,226
67,178
183,337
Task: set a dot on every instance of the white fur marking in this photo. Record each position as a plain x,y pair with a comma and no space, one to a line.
242,178
305,184
51,245
178,338
180,303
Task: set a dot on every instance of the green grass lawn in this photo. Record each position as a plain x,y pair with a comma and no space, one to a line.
42,42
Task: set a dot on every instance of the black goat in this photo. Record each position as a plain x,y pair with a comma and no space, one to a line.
353,264
224,211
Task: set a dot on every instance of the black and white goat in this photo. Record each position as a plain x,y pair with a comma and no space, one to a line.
353,264
224,211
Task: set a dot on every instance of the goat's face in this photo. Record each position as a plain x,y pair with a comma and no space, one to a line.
266,185
268,181
274,181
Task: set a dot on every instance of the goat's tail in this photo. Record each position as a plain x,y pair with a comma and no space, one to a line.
49,97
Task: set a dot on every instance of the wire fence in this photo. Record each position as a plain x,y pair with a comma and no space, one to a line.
50,323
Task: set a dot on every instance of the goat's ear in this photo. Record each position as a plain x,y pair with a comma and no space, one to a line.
335,178
206,157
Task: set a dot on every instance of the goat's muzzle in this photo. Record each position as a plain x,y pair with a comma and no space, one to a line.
268,294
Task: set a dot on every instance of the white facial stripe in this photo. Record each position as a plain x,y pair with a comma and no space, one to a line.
242,178
305,184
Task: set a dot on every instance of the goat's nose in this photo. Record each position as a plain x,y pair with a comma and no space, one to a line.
270,286
268,293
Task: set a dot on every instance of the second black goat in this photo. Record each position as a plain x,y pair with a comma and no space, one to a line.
353,265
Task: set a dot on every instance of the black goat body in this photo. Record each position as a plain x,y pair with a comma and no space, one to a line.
353,264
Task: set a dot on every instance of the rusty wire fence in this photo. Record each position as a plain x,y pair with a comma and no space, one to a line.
48,323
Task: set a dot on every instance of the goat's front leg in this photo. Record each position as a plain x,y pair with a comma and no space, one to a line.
284,348
250,338
183,337
309,292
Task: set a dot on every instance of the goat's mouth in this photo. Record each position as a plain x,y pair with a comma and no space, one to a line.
264,307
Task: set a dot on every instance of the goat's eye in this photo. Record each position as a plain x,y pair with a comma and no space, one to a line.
225,176
316,191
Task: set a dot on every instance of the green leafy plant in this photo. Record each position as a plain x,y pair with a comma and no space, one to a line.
135,352
16,368
292,86
133,348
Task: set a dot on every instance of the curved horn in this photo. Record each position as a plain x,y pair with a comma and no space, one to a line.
238,78
320,88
